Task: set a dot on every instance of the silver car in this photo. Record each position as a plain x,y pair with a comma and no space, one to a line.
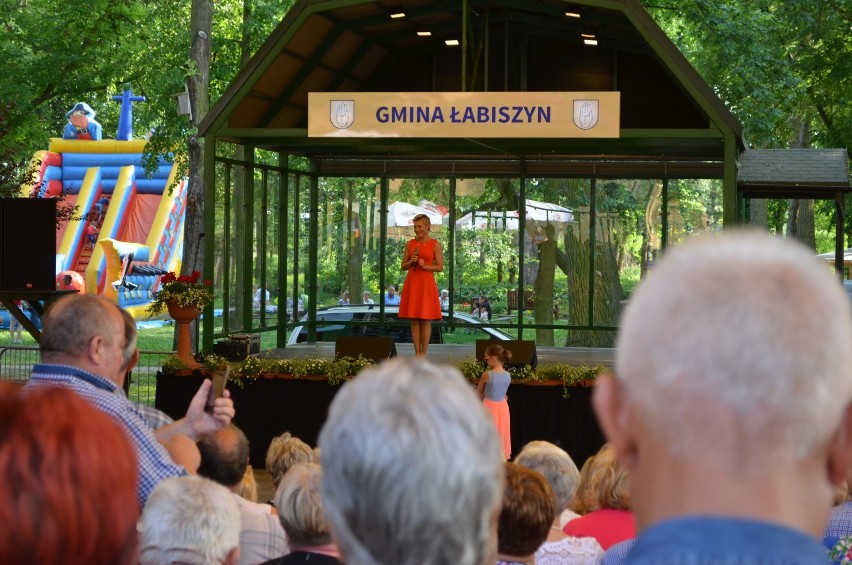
364,320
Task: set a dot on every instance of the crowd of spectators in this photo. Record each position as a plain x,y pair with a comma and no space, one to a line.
725,444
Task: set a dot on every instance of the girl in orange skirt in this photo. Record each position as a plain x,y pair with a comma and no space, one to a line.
492,387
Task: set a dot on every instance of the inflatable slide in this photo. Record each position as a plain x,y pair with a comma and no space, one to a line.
127,228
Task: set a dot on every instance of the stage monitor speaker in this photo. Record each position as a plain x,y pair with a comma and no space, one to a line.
523,351
377,348
28,244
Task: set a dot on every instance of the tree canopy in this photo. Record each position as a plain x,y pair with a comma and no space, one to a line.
784,67
55,54
775,63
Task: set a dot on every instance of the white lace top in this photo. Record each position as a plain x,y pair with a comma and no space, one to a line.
570,551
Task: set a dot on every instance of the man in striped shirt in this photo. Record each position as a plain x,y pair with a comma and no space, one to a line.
82,348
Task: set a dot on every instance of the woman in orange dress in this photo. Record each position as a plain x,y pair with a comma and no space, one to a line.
420,302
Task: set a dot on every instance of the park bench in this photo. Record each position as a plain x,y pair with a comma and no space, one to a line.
529,301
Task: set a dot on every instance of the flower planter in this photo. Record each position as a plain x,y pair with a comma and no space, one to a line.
183,317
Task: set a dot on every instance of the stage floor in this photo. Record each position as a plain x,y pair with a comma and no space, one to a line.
265,490
451,353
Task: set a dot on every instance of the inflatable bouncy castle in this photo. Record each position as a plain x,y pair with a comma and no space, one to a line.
127,228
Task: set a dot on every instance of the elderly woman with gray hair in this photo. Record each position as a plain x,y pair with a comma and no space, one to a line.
299,505
189,520
412,468
560,472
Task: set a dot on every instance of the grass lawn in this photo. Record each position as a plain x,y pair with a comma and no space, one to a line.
156,339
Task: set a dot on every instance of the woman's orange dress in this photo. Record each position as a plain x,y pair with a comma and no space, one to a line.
419,290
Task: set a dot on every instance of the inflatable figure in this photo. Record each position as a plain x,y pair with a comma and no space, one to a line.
81,123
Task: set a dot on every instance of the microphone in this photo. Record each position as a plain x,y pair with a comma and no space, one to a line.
417,253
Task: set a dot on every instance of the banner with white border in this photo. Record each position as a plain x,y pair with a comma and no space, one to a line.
464,114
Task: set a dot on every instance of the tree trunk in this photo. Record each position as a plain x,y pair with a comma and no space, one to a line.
239,285
201,25
792,216
577,252
643,256
805,230
544,287
356,246
606,294
759,213
800,219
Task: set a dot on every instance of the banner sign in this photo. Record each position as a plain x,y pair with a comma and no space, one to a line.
464,114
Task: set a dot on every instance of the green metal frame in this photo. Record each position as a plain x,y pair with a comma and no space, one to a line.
293,180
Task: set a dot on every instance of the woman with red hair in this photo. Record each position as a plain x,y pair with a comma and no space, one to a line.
70,474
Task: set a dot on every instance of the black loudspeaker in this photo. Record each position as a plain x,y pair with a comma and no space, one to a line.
28,244
523,351
377,348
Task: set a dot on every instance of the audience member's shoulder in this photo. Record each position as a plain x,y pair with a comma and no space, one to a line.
570,551
299,557
618,553
261,509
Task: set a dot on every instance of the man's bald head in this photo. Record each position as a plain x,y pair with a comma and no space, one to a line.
83,330
224,456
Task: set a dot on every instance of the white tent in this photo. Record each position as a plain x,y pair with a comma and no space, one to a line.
401,214
536,211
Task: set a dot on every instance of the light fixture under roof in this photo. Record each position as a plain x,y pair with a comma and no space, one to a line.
451,42
590,41
397,13
424,33
573,14
588,35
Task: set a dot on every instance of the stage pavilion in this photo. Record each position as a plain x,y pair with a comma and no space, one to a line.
517,124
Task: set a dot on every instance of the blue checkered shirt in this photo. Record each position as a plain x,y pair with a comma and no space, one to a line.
155,419
618,553
154,462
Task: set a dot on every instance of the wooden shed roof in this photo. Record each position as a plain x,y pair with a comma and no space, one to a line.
793,173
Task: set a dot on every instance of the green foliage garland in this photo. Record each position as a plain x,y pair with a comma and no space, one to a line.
338,370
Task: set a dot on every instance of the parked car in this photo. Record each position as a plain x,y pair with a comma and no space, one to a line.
366,322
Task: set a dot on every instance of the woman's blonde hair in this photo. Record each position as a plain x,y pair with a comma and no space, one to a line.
604,483
284,452
422,218
248,486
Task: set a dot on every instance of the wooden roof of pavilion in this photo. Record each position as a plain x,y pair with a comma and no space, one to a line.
671,121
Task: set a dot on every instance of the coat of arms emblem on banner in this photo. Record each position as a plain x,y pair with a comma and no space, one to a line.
586,113
341,113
